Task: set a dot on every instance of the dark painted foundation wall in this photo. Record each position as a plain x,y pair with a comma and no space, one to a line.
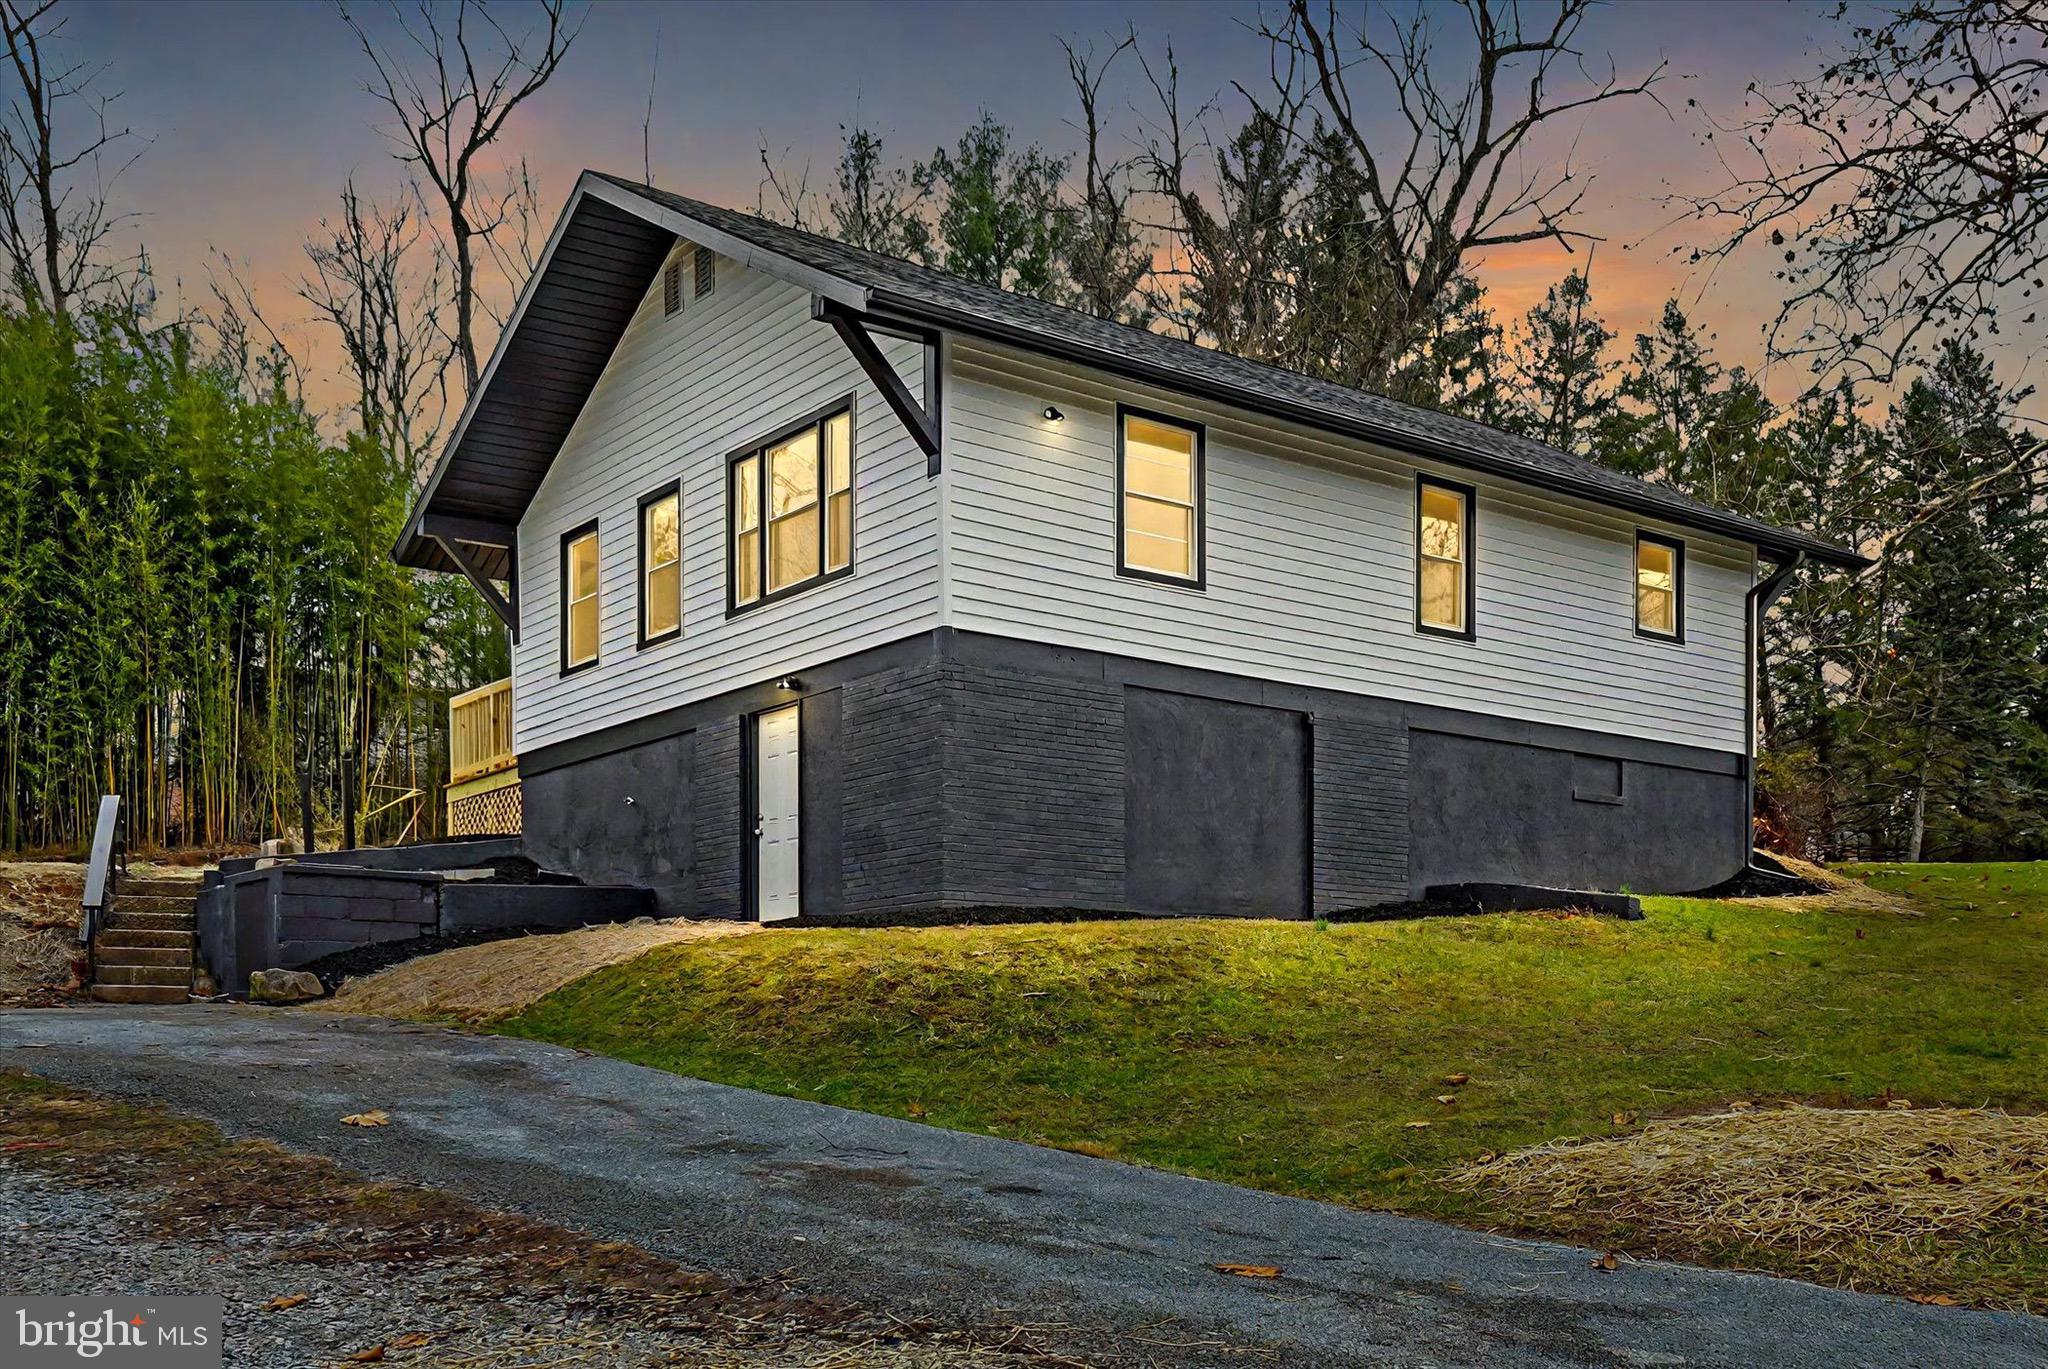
954,770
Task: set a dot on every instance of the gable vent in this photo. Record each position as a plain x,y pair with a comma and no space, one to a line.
706,272
672,288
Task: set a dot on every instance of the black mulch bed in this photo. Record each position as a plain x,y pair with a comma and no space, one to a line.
1765,878
373,956
1411,908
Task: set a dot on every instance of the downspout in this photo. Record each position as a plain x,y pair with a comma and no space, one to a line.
1758,602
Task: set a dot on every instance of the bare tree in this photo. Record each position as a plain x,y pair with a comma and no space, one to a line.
873,202
1903,190
452,93
54,214
1467,171
1107,254
377,282
1230,210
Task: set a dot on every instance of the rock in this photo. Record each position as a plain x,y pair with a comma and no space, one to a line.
283,986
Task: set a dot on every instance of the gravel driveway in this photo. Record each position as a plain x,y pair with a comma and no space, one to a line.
1113,1263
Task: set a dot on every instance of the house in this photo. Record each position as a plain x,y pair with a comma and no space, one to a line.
841,587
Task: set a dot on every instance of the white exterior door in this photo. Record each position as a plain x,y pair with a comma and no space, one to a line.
777,863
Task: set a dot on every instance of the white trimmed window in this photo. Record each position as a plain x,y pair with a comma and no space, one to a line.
579,598
1443,558
1660,587
661,565
791,505
1159,480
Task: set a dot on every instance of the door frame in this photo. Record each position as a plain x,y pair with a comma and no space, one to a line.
750,811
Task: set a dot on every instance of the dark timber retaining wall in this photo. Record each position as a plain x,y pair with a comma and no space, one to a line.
956,770
289,914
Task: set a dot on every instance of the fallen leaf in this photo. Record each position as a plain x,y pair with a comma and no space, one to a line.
1486,1157
1249,1271
280,1304
412,1340
1447,1099
1454,1080
369,1356
1899,1104
1740,1105
916,1109
1859,934
1414,1126
375,1117
1624,1119
1932,1299
1606,1262
13,1146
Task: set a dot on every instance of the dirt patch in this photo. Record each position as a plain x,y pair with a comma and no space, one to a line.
1913,1201
477,984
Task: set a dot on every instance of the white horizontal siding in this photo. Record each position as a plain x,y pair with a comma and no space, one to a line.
678,395
1311,566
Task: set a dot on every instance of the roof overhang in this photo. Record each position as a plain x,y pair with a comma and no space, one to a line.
600,261
598,264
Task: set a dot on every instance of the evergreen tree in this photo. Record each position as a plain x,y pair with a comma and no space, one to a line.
1559,368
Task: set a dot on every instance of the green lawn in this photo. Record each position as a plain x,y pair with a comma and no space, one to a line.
1292,1057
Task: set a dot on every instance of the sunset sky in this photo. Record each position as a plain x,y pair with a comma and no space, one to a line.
257,114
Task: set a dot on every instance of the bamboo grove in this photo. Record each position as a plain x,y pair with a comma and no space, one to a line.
197,603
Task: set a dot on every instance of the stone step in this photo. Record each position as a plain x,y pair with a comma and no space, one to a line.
141,993
125,902
105,957
175,939
157,888
155,922
178,976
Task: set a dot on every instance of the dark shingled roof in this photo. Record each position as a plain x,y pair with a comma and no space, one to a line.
923,295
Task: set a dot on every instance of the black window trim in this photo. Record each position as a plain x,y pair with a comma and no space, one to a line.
1200,579
846,404
1470,632
673,489
581,530
1635,586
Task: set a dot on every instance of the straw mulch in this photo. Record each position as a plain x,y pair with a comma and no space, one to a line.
1898,1199
478,984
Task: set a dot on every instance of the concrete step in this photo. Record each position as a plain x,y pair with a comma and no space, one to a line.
105,957
141,993
155,922
175,939
168,976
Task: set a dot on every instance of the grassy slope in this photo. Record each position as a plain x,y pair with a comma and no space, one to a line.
1289,1057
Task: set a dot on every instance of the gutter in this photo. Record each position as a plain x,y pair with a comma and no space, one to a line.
1757,602
1776,541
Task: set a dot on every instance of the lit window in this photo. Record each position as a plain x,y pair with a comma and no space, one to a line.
661,565
839,491
1161,477
792,510
579,598
1660,587
1443,558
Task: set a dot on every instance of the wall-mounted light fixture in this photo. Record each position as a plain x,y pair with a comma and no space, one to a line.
789,682
1052,415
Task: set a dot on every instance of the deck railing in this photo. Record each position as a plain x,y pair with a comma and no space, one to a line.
480,732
